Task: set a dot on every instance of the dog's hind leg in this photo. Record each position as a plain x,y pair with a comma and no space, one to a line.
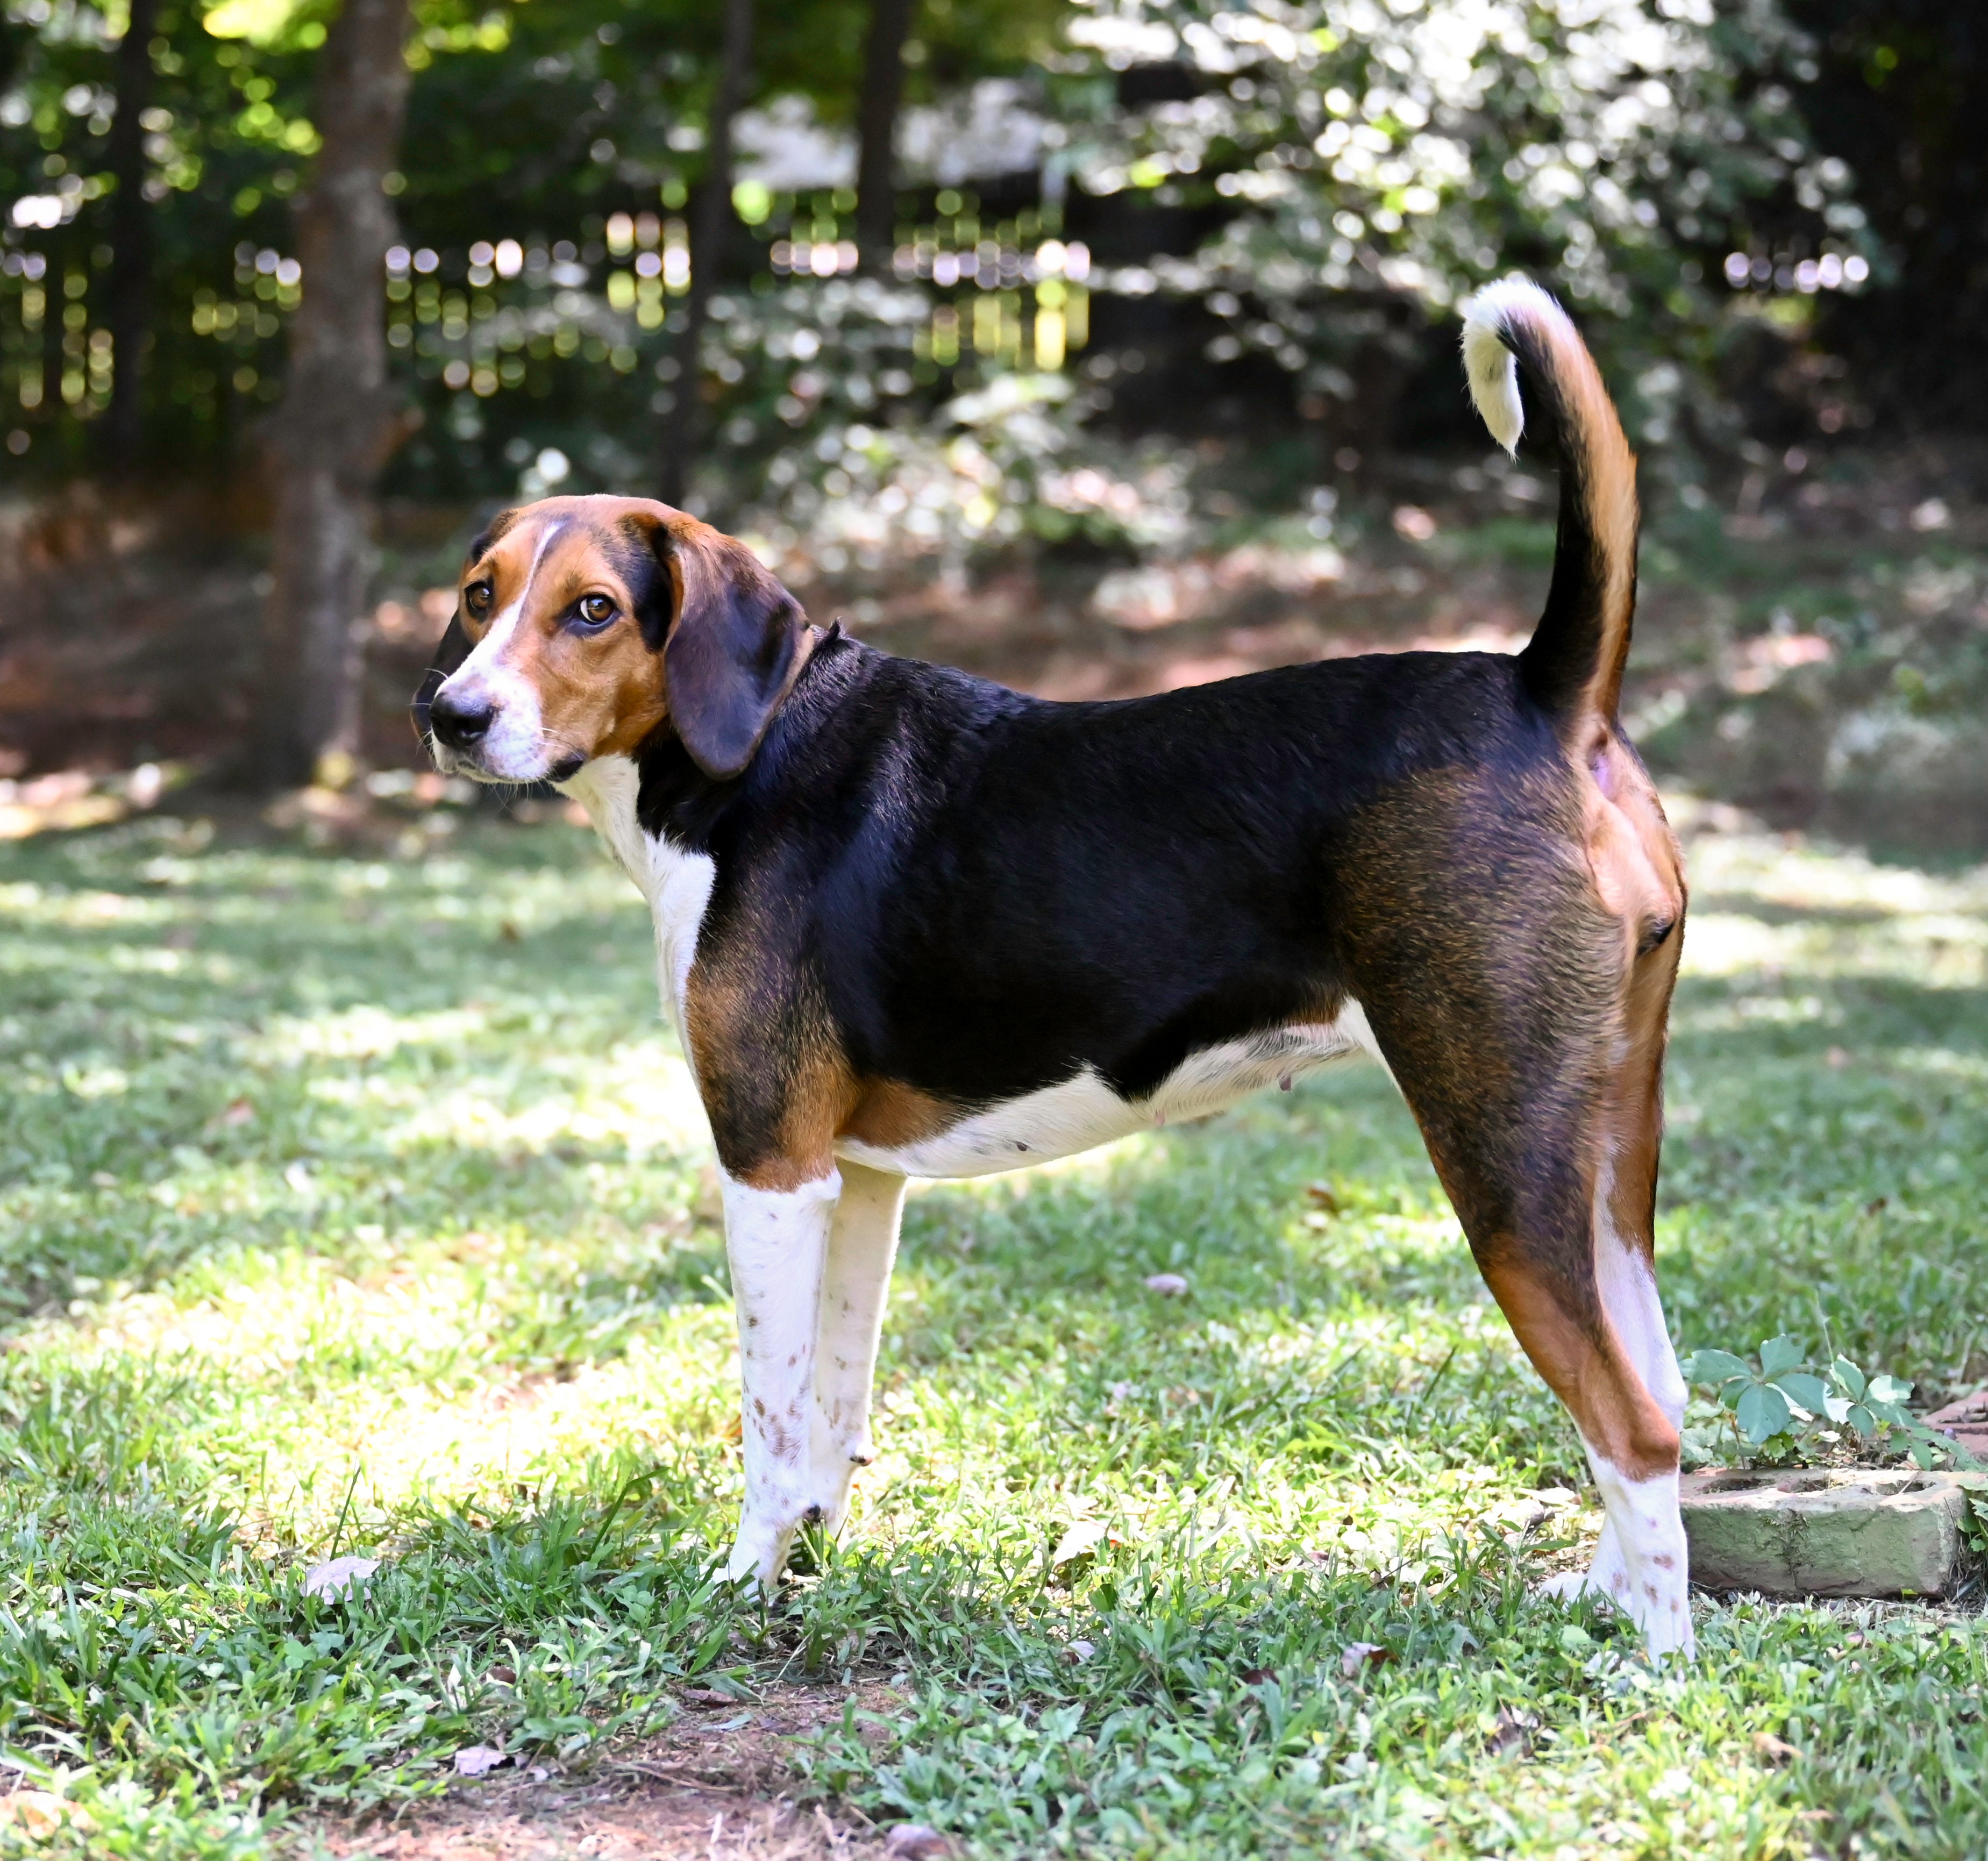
1526,1183
1624,1248
1584,1306
1595,1332
778,1243
862,1247
1640,1564
1524,1027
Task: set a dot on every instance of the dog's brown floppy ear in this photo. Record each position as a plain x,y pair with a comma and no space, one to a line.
733,647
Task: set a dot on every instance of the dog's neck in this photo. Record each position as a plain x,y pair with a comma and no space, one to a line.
677,801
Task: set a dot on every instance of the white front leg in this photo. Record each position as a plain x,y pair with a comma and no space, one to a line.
862,1246
778,1242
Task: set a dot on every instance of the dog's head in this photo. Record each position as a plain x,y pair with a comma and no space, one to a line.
583,624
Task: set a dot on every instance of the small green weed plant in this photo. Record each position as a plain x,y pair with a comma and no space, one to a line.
1781,1410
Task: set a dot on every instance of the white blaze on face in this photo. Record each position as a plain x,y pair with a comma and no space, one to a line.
515,748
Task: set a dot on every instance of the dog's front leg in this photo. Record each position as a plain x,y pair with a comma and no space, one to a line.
862,1246
777,1240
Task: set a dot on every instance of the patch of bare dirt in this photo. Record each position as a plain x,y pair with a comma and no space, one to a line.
719,1785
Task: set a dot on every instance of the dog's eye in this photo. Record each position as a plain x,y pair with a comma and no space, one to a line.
476,598
595,609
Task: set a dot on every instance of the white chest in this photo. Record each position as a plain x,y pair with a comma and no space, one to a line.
676,882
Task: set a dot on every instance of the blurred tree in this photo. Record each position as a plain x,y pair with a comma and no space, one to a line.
16,36
684,425
210,160
340,416
1278,200
877,129
1371,162
129,318
535,122
1899,95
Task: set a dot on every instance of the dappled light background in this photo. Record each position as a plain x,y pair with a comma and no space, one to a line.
1141,371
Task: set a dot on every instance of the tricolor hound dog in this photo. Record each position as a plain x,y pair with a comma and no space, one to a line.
909,923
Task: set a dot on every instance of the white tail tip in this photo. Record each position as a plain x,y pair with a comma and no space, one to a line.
1490,366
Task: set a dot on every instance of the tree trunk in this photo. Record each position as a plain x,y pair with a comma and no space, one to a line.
55,300
876,132
339,417
129,318
684,430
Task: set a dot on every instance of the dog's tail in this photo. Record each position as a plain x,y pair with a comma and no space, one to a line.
1572,666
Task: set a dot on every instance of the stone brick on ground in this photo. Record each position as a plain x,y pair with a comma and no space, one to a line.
1826,1531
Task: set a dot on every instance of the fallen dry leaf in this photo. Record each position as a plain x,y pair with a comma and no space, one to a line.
1356,1657
338,1578
40,1812
479,1759
1169,1285
1079,1540
916,1842
708,1698
1512,1732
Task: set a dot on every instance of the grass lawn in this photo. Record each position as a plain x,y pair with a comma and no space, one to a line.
358,1204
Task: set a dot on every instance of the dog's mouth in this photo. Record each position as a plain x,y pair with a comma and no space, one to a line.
478,734
471,765
455,762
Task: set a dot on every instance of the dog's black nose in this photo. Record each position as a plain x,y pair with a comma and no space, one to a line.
458,724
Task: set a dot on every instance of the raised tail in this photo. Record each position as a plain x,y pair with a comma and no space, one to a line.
1573,666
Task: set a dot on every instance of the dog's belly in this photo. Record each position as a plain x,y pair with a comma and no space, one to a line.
1084,1112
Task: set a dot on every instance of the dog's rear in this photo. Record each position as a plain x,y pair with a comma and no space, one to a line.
1512,932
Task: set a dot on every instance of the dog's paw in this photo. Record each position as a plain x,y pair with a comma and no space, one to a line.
756,1560
1661,1610
1570,1584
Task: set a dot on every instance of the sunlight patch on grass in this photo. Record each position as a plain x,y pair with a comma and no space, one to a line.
640,1096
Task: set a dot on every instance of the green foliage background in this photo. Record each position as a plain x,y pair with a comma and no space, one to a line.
1307,185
